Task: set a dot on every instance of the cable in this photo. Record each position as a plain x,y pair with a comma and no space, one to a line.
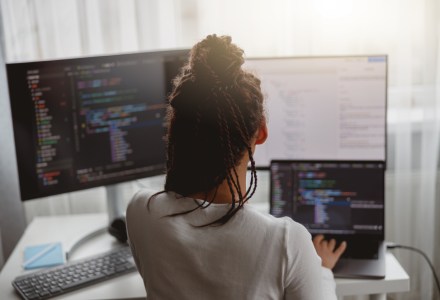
394,246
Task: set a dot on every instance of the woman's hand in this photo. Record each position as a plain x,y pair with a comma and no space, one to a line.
326,250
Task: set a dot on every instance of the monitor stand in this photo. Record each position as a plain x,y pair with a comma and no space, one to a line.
116,218
115,207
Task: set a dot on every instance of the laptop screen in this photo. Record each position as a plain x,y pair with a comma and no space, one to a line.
330,197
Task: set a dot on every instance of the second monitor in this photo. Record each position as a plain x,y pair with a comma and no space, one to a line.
330,108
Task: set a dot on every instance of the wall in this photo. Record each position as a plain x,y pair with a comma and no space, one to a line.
12,222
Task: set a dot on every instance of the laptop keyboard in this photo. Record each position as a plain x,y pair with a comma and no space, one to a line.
361,250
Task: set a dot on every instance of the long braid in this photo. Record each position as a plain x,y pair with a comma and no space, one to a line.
242,199
225,140
244,134
231,164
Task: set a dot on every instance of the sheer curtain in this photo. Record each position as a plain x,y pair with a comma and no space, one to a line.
407,30
48,29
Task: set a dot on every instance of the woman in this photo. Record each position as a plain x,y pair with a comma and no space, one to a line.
198,239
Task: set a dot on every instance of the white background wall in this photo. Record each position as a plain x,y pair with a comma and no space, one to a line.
12,222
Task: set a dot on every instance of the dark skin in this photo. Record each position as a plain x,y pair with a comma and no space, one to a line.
327,250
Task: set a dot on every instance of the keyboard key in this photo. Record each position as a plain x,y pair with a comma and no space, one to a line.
44,294
32,296
55,290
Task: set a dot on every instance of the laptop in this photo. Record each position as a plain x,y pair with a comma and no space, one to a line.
343,200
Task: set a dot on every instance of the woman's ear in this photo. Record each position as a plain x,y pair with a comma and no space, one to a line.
262,133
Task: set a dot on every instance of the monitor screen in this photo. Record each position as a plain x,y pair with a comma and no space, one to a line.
86,122
330,197
330,108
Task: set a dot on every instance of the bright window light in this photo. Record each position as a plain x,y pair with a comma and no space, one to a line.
333,9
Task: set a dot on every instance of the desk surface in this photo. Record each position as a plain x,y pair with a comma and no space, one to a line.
67,229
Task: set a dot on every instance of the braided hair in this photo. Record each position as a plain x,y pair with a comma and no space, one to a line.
216,109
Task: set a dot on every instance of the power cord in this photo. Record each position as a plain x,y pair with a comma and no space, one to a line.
396,246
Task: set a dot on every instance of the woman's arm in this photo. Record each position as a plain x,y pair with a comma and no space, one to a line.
306,277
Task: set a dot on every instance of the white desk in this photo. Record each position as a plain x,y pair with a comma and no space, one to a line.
67,229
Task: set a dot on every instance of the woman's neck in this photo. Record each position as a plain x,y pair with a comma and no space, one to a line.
222,194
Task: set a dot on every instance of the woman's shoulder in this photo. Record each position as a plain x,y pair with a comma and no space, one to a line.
143,195
140,197
155,202
282,224
140,200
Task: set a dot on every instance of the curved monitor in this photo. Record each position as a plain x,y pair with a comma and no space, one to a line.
326,108
86,122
